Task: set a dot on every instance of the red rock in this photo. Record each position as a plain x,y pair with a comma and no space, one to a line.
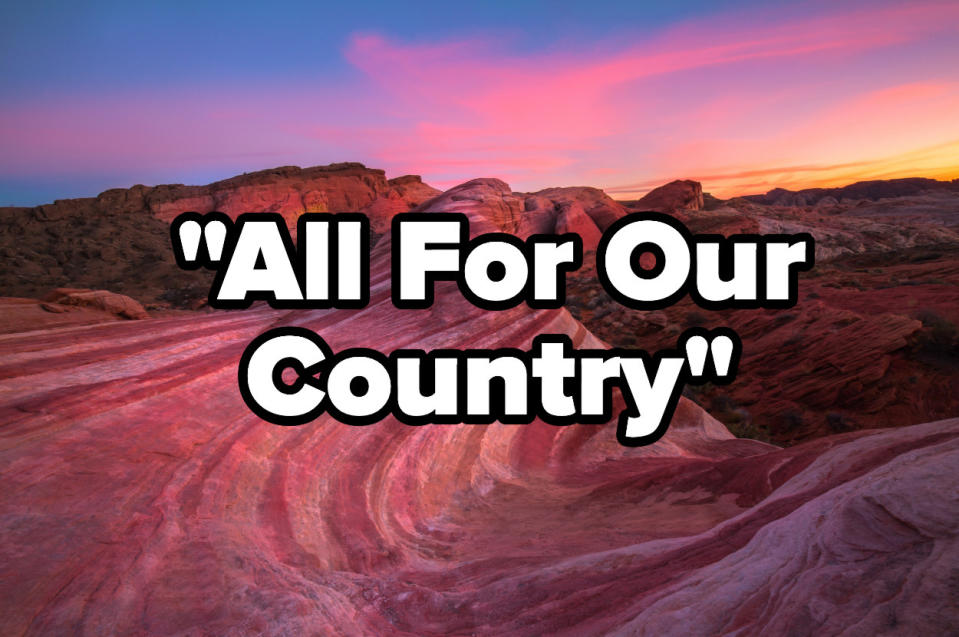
554,210
110,302
291,191
54,308
597,204
28,315
573,218
288,190
682,194
871,343
141,496
869,190
120,240
490,206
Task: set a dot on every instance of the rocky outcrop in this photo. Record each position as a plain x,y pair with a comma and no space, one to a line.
861,190
586,211
66,307
573,218
109,302
292,191
141,496
120,239
289,190
404,194
79,245
682,194
18,316
873,341
597,204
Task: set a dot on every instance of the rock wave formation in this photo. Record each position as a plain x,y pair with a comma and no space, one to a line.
141,496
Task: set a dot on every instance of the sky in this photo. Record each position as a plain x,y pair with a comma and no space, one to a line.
624,96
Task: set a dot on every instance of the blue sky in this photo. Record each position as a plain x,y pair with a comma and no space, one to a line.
613,94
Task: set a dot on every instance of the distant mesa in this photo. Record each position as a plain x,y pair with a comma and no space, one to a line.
863,190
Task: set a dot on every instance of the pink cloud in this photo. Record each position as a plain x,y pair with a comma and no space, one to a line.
728,99
469,98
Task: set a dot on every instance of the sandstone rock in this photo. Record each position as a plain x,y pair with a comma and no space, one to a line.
573,218
862,190
490,206
659,319
597,204
142,497
554,210
682,194
110,302
54,308
120,239
412,189
288,190
291,191
872,341
405,194
18,316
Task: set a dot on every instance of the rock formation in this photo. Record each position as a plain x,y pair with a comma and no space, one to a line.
873,341
868,190
141,496
586,211
682,194
110,302
30,315
288,190
120,241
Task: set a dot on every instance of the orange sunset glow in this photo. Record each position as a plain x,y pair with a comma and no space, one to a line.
742,99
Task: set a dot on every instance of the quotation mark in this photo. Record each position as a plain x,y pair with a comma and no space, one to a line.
718,346
192,231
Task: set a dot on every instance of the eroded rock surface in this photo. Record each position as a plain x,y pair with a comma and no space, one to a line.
103,300
292,191
120,240
141,496
682,194
862,190
874,338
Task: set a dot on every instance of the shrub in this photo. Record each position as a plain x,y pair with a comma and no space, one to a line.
838,423
940,333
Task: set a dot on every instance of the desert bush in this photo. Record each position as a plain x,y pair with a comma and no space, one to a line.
695,319
792,419
838,423
939,333
737,419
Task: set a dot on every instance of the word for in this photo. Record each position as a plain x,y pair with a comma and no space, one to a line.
290,376
255,259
